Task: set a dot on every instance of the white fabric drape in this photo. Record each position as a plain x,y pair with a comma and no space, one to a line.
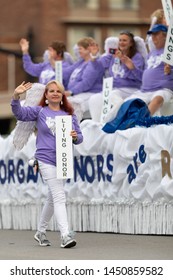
137,199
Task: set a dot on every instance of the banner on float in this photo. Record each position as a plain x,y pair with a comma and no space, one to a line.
58,71
129,164
168,50
167,7
107,88
64,149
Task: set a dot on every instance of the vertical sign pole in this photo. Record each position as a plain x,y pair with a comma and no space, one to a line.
58,71
167,8
168,49
64,147
107,88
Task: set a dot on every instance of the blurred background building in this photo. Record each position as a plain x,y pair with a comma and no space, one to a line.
42,21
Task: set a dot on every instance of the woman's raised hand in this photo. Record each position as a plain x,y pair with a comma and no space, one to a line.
94,51
23,87
24,44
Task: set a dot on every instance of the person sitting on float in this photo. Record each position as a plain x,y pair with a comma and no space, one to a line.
125,63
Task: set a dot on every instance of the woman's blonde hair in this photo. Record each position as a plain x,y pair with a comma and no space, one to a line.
59,85
86,42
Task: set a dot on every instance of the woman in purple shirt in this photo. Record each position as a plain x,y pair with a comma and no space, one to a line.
45,71
157,79
126,65
54,103
82,79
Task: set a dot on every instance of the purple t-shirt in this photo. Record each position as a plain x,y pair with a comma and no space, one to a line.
153,77
45,124
44,70
122,75
83,76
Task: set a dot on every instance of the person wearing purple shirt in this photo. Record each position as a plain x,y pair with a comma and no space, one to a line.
53,103
157,80
126,76
45,71
82,79
82,76
155,68
126,65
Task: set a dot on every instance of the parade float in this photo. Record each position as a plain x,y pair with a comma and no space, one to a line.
122,181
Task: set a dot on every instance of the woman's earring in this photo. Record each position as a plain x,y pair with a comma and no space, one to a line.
46,101
61,102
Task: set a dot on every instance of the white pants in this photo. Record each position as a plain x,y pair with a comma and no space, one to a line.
55,202
147,97
123,93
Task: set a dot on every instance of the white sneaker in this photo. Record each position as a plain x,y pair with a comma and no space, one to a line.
41,238
68,241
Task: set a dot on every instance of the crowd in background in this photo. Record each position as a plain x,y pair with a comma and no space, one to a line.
134,63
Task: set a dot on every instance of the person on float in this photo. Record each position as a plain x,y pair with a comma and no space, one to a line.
157,79
45,71
53,103
125,63
82,79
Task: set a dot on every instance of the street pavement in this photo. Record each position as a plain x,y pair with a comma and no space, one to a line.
20,245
